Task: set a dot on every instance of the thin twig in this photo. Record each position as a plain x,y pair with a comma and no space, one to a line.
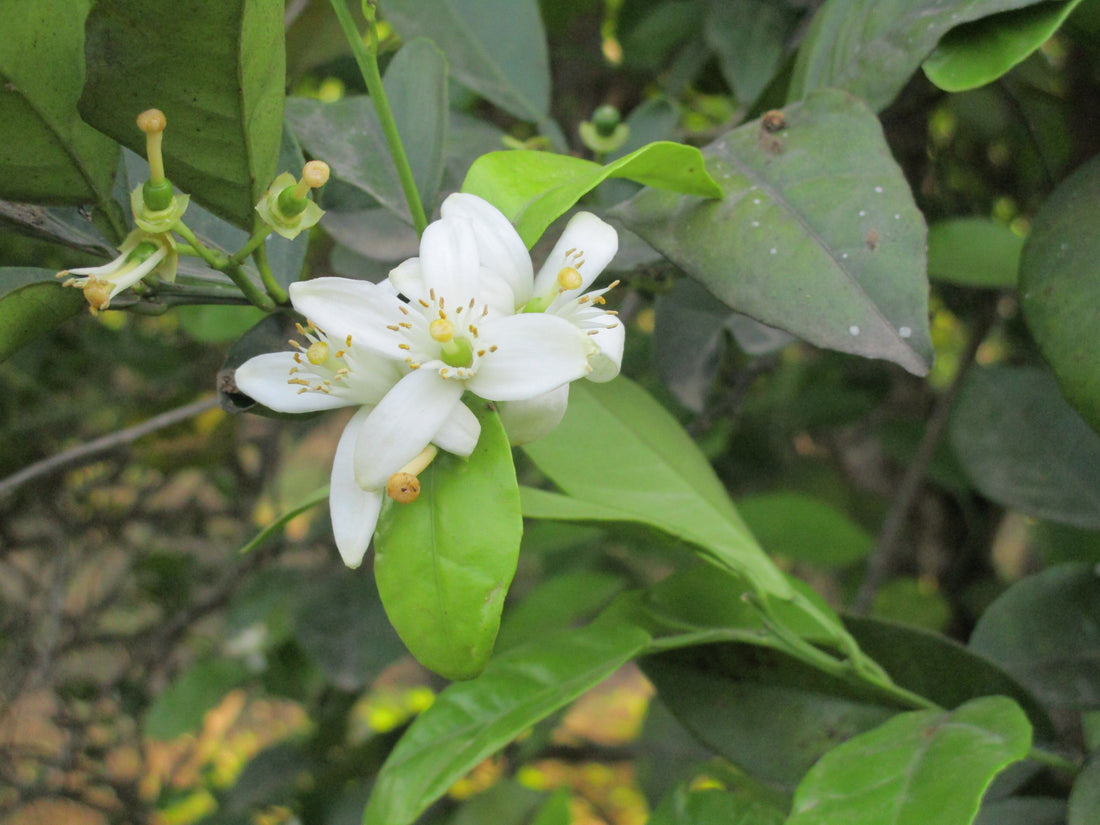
93,449
882,560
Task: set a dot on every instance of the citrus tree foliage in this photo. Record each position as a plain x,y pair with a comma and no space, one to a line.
826,500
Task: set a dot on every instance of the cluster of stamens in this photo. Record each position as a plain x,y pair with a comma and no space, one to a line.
459,348
314,370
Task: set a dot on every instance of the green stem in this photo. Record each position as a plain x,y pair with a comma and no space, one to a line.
367,58
213,259
223,263
273,287
1053,760
259,235
250,291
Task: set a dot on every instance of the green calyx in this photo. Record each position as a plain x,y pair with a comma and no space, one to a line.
157,195
458,352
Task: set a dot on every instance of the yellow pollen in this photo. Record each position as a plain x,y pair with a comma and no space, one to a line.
98,294
347,341
297,358
493,348
569,278
404,311
441,330
317,353
423,303
394,327
340,353
403,488
404,346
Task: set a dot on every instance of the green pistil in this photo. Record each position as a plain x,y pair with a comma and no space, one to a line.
457,352
539,304
142,252
291,204
157,195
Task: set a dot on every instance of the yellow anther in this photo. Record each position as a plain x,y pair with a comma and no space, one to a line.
441,330
403,488
98,294
570,278
317,354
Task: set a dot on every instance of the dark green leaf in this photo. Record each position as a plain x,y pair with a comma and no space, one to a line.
872,47
47,153
1060,287
496,47
444,562
657,476
915,764
1022,446
471,720
1084,799
555,604
804,528
180,709
505,803
1044,631
215,70
68,225
816,232
750,38
32,302
1023,810
536,188
213,324
978,53
975,252
689,341
713,807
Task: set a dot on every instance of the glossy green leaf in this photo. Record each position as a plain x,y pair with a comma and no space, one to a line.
914,764
535,188
67,225
471,720
816,233
557,603
32,302
1022,445
711,806
976,252
416,87
444,562
978,53
217,71
804,528
495,47
1043,631
1060,287
872,47
650,472
47,153
750,38
180,708
1084,799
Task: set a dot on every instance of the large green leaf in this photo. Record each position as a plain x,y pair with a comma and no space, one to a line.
872,47
975,252
710,806
1024,447
816,233
217,72
1060,287
32,302
800,527
535,188
444,562
471,720
913,765
1084,800
750,38
1043,631
47,153
618,450
496,47
978,53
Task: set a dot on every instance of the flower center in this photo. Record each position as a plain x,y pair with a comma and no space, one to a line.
322,368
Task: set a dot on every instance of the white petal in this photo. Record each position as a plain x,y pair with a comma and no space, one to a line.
402,425
449,261
535,353
265,379
459,433
408,279
594,244
607,360
531,419
354,510
499,246
340,306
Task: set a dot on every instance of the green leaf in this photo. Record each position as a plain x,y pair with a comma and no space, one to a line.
649,471
689,340
804,528
976,252
1084,799
872,47
816,233
978,53
1022,446
535,188
750,38
711,806
308,503
47,153
555,604
416,87
214,324
180,709
471,720
1042,630
444,562
217,71
32,302
67,225
914,764
496,47
1023,810
1060,287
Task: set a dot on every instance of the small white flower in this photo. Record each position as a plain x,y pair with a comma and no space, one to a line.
142,253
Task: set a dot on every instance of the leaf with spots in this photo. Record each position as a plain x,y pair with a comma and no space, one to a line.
816,232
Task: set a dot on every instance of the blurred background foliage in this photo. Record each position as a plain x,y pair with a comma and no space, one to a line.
149,672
